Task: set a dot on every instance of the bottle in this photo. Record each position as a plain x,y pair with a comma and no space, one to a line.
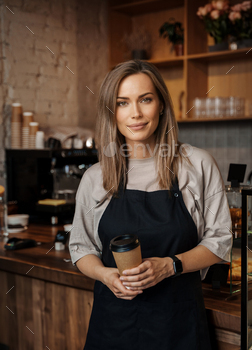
3,213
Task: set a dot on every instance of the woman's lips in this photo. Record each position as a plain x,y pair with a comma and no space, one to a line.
137,127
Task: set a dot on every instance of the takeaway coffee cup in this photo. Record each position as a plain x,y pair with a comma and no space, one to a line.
126,250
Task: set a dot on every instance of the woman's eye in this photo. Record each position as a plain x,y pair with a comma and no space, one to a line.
148,99
121,103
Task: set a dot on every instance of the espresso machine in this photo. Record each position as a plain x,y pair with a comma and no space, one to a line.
43,182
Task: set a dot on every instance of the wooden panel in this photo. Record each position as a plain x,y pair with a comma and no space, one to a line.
42,315
172,62
237,82
239,54
214,120
195,34
174,80
160,47
42,262
196,84
228,337
226,346
139,7
118,25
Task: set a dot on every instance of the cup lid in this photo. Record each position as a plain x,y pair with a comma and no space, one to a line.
124,243
27,114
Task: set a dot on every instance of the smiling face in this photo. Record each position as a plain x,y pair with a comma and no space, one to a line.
138,103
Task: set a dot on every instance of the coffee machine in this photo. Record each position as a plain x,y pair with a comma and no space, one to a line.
36,175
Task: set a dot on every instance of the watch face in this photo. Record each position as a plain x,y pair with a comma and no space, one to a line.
179,267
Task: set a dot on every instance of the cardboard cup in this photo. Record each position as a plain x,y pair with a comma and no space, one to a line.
126,251
27,119
128,260
33,128
16,115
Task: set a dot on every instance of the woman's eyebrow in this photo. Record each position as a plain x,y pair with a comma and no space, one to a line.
146,93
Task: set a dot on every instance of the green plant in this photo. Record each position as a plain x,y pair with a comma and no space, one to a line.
173,31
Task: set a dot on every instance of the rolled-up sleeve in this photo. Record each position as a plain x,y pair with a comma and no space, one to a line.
81,241
217,235
82,236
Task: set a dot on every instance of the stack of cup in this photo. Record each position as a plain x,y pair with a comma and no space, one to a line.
33,128
27,119
16,123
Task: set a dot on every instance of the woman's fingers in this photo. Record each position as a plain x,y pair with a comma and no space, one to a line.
147,274
140,284
119,289
136,278
137,270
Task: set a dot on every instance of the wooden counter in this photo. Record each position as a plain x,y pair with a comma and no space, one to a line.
46,302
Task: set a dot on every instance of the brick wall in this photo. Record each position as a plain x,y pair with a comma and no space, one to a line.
50,51
76,32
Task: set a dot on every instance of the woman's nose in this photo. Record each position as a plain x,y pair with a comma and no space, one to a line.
136,110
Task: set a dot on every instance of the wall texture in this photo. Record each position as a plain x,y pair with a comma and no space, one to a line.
50,51
228,142
56,73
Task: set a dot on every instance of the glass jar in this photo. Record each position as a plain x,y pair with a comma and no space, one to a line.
235,206
234,198
220,107
210,107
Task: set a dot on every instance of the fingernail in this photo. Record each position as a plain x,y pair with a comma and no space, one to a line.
124,272
124,283
121,278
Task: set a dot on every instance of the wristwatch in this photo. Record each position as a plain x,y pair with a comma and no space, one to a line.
177,265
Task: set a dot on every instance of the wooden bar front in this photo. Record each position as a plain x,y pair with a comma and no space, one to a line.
46,302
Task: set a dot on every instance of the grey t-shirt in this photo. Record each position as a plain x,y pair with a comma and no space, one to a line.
202,189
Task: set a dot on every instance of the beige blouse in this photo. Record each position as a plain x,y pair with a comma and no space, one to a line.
202,189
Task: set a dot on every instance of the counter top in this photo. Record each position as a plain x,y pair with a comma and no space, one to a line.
43,261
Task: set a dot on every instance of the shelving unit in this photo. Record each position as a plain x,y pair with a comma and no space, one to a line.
198,73
206,120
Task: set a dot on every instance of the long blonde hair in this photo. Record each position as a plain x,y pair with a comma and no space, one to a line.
108,137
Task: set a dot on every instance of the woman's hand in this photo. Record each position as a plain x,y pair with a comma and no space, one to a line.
148,274
112,281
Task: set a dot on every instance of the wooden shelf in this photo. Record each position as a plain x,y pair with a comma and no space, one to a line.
222,55
173,61
144,6
162,63
204,57
197,73
203,120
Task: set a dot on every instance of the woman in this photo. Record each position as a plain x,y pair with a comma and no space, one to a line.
171,196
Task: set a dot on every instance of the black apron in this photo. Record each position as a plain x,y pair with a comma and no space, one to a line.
168,316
